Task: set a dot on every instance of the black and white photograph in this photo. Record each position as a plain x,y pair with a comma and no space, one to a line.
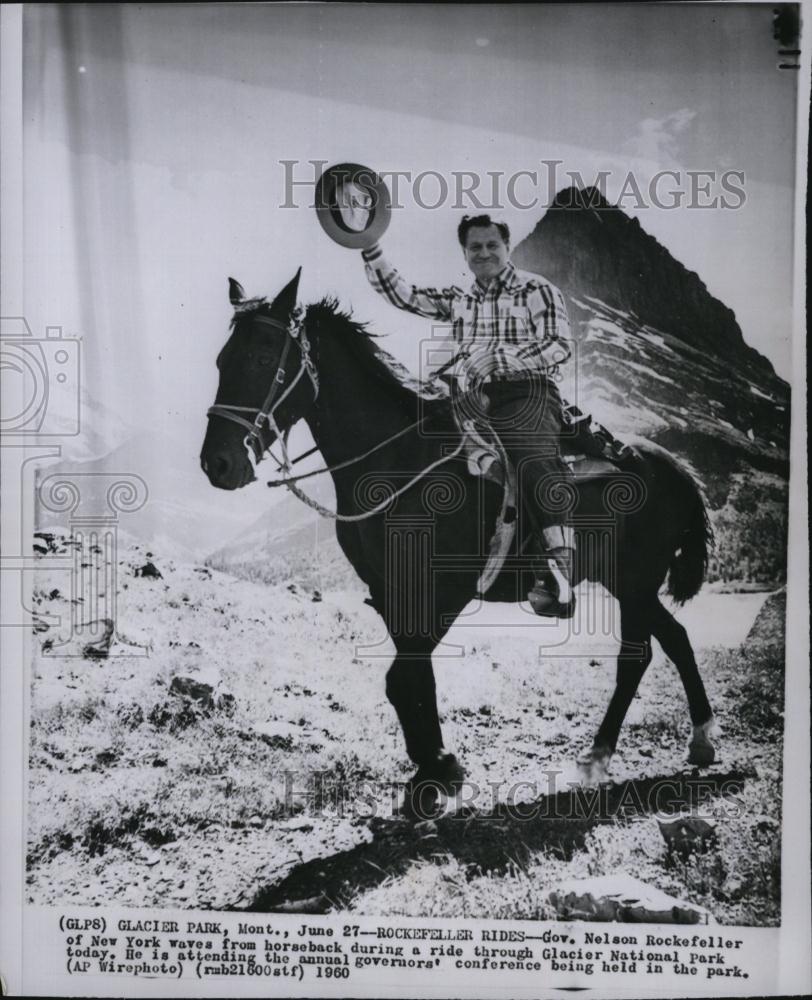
405,564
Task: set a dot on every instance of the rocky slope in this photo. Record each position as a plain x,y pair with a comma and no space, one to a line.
585,245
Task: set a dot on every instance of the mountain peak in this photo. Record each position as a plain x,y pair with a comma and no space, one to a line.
575,197
590,248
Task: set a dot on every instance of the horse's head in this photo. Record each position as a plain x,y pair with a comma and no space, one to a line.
267,383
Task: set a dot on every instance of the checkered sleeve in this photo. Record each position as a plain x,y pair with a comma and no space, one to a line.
432,303
550,327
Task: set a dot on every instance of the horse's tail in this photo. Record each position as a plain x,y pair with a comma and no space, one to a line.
689,563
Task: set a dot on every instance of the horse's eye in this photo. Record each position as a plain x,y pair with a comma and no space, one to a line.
264,360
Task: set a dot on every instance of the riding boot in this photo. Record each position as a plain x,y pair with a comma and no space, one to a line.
552,594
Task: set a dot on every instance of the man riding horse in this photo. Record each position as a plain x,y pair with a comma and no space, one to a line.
282,365
511,329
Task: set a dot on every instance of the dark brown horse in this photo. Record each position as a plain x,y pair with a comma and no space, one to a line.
421,555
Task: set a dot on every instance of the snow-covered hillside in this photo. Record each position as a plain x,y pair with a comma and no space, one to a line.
230,733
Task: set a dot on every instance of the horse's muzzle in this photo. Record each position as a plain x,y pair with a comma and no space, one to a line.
224,473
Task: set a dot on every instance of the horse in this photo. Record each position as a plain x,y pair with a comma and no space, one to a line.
411,519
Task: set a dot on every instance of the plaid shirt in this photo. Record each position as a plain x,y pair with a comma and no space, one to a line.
515,327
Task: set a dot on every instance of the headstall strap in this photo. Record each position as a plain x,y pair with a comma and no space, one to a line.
294,331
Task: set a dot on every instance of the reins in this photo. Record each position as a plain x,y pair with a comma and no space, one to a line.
265,415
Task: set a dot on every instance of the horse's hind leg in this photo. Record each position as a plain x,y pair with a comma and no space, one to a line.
633,659
677,647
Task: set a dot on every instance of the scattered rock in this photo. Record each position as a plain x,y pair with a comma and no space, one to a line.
624,899
225,702
175,716
131,715
199,688
687,834
205,688
157,837
295,823
278,734
316,596
767,824
149,569
45,542
97,649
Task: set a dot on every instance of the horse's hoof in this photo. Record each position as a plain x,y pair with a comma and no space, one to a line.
701,754
593,765
701,751
428,791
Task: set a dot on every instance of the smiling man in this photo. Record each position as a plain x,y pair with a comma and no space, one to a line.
511,329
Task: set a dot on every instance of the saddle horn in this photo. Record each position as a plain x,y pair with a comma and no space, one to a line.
236,292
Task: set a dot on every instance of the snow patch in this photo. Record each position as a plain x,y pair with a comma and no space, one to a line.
645,370
657,339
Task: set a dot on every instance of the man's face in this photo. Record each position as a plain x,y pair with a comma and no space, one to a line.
486,253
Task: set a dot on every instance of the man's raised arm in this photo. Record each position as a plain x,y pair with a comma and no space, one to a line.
433,303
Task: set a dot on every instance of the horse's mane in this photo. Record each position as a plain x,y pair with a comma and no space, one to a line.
326,317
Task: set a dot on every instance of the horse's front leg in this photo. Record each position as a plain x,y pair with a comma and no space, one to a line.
633,659
411,689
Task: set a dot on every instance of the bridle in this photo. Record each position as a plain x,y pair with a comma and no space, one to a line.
254,444
256,447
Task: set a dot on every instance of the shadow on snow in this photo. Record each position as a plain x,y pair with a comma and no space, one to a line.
489,842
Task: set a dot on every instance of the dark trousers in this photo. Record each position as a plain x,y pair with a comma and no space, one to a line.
526,414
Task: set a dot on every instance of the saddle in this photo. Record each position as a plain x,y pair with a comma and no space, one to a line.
591,451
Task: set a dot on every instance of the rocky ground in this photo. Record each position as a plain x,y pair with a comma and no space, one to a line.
248,758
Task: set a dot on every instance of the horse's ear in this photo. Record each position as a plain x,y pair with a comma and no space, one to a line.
285,301
236,292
